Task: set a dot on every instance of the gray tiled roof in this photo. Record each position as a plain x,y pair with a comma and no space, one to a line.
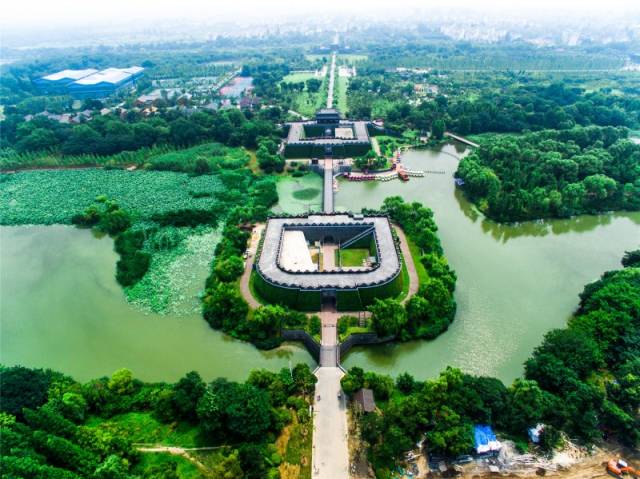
296,133
388,267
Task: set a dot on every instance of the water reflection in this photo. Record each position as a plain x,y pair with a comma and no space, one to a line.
515,281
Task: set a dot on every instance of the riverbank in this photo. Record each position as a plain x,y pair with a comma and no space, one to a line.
502,314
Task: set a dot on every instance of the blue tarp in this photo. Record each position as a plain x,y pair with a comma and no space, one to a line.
484,440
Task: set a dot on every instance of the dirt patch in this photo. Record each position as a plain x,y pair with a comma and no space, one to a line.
570,463
359,467
289,471
283,439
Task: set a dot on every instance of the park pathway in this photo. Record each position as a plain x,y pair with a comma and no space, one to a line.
408,261
330,447
332,77
248,267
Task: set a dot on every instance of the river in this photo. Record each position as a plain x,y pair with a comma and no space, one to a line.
61,307
515,282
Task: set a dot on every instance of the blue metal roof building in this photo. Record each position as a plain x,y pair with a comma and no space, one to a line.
105,82
58,82
89,83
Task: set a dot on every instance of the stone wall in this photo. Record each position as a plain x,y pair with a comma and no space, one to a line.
305,338
358,339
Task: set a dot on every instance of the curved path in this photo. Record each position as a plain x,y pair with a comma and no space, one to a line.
248,267
414,283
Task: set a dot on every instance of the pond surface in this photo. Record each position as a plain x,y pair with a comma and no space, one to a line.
295,194
61,308
515,282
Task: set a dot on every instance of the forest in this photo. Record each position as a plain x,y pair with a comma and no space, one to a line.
496,102
553,173
582,380
110,135
54,427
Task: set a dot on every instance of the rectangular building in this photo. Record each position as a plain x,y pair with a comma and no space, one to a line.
105,82
58,82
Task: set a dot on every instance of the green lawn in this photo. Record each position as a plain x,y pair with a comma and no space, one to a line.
340,94
405,282
348,325
307,103
298,77
351,256
415,253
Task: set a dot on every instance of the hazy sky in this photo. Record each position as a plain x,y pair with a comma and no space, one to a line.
52,13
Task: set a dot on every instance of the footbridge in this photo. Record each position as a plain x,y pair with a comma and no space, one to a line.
327,202
461,139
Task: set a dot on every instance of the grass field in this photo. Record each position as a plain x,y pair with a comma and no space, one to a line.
142,427
341,94
294,446
415,253
298,77
308,103
351,256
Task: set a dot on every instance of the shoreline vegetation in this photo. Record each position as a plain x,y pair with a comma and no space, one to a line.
580,381
190,173
553,174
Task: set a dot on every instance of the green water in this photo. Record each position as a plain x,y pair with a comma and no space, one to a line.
290,190
61,308
515,282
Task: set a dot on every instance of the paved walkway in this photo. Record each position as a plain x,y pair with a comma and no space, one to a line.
331,81
244,280
330,447
329,256
414,283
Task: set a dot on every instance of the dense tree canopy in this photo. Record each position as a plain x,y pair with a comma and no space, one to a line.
583,380
554,173
54,427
